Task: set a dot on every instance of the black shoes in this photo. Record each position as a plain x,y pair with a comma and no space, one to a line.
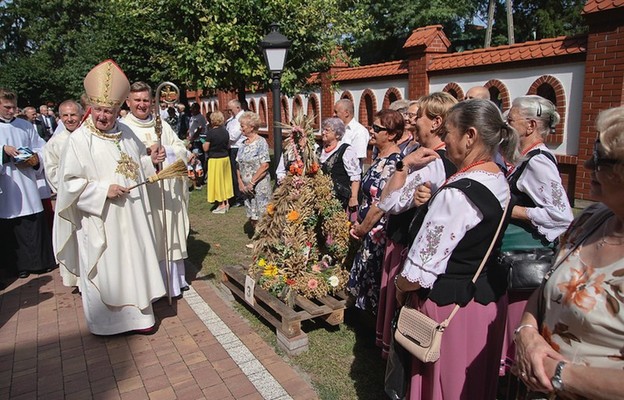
184,288
23,274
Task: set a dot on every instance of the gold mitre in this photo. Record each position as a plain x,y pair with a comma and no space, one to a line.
106,85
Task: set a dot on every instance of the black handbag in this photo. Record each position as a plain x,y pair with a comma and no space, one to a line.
527,268
398,367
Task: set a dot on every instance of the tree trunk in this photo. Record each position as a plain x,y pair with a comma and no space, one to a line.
241,98
510,23
490,23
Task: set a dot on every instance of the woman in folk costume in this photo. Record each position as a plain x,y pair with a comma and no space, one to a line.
105,232
454,230
540,210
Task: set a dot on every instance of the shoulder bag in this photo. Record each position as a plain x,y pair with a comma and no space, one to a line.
421,335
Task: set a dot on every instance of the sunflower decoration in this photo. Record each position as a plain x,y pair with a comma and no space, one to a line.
302,240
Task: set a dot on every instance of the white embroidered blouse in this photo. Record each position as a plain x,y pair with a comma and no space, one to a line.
451,214
541,181
402,199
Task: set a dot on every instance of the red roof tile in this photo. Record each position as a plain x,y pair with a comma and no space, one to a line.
593,6
544,48
372,71
425,36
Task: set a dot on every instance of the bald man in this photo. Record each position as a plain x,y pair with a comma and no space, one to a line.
478,92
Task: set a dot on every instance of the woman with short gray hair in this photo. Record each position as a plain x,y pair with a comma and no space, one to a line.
340,162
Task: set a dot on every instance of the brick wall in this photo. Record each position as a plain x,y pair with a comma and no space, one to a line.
604,85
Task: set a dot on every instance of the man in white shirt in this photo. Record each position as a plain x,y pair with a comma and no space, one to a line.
236,139
48,122
355,133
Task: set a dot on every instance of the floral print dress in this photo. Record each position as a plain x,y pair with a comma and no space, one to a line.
365,276
584,305
249,158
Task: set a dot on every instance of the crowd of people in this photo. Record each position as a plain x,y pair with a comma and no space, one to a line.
424,212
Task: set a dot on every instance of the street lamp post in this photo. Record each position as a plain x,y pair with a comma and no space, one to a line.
275,47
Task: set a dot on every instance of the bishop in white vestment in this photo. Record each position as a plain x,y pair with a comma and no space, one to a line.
106,234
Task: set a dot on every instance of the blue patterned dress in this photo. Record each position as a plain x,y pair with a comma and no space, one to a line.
365,277
249,158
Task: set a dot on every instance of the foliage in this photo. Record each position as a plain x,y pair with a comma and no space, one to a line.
538,19
48,46
303,239
394,20
215,44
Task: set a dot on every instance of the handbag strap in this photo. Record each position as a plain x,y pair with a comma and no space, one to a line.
445,323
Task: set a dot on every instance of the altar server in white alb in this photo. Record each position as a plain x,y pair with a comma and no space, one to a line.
71,114
105,233
25,243
143,124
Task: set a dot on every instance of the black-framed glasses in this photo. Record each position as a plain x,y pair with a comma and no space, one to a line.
601,160
376,128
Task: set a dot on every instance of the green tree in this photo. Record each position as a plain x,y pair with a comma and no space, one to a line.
215,44
394,20
49,45
538,19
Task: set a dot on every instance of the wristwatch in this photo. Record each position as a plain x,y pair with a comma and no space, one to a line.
399,165
556,380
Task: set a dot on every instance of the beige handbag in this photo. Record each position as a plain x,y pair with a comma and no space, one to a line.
421,335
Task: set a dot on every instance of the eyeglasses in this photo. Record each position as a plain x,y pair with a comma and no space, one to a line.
602,161
409,115
377,128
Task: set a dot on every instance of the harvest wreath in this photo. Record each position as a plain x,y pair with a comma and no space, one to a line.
301,242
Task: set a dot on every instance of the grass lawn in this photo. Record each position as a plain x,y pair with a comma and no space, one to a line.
342,363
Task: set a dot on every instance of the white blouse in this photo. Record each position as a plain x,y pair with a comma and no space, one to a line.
451,214
349,159
541,181
402,199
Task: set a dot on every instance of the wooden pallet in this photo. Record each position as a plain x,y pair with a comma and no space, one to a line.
287,321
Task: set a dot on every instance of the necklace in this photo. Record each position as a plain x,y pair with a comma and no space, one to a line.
466,168
531,147
603,240
330,148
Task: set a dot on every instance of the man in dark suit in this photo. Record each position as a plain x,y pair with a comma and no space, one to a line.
31,116
48,122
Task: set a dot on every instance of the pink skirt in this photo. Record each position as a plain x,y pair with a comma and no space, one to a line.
469,357
516,301
392,264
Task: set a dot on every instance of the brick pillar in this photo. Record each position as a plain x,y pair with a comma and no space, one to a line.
420,47
327,95
604,82
418,79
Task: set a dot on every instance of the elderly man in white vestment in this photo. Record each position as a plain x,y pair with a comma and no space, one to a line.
71,114
142,123
105,228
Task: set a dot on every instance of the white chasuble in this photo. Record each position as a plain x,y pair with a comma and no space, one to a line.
109,243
